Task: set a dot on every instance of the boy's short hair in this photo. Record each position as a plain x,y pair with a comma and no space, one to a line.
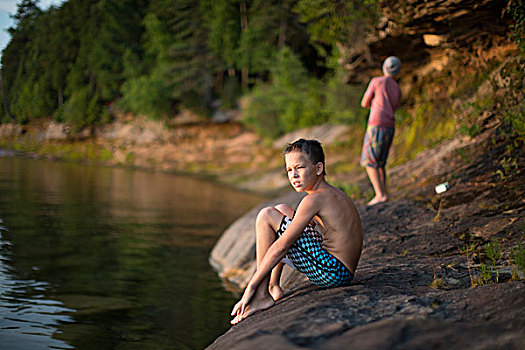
312,148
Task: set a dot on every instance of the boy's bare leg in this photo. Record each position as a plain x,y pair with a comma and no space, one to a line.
261,300
375,179
382,178
275,286
266,225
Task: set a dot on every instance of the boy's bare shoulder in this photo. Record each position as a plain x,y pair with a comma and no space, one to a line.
328,193
337,193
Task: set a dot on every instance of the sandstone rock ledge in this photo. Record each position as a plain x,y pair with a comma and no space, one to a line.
366,315
391,304
420,282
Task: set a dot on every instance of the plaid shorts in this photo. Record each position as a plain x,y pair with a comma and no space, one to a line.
376,146
308,256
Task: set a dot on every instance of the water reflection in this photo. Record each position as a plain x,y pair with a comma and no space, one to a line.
112,258
28,319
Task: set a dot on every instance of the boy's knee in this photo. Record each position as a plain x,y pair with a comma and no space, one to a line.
269,215
285,209
265,214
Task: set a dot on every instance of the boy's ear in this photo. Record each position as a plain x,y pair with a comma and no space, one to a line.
319,168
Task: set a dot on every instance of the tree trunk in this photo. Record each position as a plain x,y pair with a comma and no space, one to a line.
218,81
60,97
4,98
282,33
244,27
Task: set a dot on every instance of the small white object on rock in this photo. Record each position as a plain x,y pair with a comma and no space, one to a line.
442,187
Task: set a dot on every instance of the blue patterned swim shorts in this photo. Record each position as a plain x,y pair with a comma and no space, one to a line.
376,146
308,256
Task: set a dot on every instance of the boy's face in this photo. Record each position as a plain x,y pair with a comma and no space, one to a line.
302,173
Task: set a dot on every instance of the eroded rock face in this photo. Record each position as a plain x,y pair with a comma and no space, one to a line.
408,29
10,130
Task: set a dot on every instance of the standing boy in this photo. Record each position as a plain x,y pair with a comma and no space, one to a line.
323,239
383,97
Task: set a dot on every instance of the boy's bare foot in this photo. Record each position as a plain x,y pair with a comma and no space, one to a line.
257,304
276,292
377,200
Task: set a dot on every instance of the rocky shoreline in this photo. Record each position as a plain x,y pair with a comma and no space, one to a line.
422,281
395,301
419,283
226,152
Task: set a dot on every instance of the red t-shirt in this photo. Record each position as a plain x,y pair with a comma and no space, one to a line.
386,98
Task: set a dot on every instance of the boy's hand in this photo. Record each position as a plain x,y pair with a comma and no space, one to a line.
239,308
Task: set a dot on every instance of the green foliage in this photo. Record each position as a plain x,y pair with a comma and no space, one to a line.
191,66
516,8
118,32
517,121
351,189
469,130
484,277
509,168
224,30
130,158
468,83
82,110
59,54
337,21
488,273
425,119
270,25
291,100
146,89
469,123
477,278
147,94
33,101
493,251
518,257
341,100
151,56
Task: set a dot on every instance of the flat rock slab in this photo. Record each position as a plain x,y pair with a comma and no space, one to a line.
413,290
375,313
427,278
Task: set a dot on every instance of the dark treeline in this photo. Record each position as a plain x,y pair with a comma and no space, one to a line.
154,57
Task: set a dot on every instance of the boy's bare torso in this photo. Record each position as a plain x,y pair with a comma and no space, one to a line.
333,211
339,223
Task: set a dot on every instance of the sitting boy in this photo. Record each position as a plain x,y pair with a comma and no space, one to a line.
322,239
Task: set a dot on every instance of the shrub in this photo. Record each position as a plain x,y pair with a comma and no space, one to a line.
518,257
33,101
516,9
83,110
290,100
342,101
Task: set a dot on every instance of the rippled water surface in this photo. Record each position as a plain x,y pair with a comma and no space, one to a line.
105,258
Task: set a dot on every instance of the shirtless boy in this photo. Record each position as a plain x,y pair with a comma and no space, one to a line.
323,238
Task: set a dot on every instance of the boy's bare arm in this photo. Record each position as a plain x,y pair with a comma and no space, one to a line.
306,211
366,102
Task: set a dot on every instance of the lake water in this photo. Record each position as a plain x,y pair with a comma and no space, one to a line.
109,258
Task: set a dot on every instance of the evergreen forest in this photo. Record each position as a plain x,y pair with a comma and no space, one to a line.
82,60
79,61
